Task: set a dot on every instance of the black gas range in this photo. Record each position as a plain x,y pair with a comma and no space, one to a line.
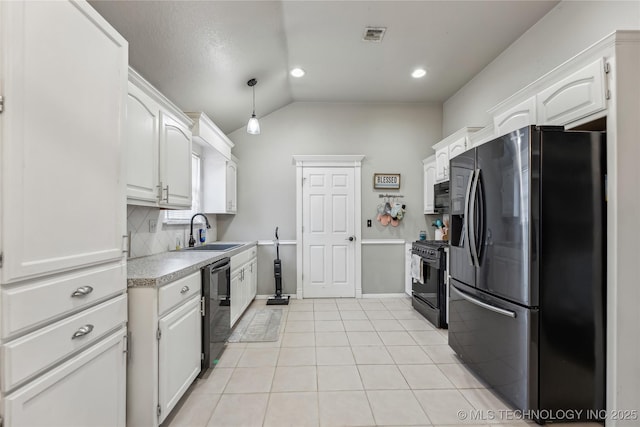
429,287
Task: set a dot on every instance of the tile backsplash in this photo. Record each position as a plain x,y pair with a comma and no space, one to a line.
166,236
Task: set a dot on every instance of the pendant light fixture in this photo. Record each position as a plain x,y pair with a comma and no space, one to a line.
253,127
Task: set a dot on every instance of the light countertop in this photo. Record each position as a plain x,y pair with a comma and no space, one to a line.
158,270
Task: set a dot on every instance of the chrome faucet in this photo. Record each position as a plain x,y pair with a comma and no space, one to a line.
192,241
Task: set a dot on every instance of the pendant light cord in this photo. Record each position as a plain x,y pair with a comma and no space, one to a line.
254,99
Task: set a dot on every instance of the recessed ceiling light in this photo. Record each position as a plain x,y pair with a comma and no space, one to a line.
418,72
297,72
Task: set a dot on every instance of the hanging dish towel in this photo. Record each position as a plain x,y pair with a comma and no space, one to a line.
416,268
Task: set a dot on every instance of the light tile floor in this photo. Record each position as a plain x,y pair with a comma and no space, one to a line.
344,362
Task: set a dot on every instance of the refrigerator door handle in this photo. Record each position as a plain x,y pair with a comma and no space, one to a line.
479,303
471,221
481,221
466,241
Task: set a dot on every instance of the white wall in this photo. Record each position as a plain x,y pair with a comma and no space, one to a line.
393,137
566,30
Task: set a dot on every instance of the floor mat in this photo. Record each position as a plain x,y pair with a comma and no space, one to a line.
259,325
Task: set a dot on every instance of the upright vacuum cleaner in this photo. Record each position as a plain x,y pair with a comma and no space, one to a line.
278,299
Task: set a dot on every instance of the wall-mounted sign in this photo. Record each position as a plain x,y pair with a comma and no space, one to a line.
386,181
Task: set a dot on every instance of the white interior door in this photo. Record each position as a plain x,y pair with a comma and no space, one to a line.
328,233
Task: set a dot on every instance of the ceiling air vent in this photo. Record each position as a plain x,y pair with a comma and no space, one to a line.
373,34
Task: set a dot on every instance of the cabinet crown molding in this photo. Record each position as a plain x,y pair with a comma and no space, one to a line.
206,132
431,158
157,96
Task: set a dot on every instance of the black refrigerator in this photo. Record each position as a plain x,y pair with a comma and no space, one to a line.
527,266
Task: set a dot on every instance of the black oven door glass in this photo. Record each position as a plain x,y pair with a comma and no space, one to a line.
428,292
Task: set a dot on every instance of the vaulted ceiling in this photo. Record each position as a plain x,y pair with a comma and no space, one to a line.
201,54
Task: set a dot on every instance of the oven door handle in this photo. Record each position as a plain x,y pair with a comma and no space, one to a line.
432,263
218,269
479,303
467,202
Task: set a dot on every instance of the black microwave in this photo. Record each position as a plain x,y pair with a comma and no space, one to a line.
441,197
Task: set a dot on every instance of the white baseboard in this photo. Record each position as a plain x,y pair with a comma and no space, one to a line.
399,295
364,296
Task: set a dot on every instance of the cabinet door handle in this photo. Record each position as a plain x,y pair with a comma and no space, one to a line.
82,291
84,330
159,191
184,289
128,245
167,190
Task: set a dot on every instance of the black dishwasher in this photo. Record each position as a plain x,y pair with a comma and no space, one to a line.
216,318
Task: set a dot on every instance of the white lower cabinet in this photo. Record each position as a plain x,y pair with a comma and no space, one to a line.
179,353
408,282
165,324
87,390
244,282
61,335
254,278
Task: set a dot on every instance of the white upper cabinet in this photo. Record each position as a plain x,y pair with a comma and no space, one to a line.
451,146
158,148
142,128
220,184
442,164
65,93
458,146
219,166
485,134
516,117
564,97
429,166
232,191
579,95
175,162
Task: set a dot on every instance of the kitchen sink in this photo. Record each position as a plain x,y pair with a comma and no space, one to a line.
214,247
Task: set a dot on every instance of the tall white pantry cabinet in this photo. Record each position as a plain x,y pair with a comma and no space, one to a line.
63,75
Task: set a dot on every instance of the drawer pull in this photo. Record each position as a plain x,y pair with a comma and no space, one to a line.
82,291
184,289
86,329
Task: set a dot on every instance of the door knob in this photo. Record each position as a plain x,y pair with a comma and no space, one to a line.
351,238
